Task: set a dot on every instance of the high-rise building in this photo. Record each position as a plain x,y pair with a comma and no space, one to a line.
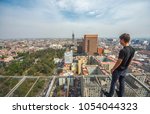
90,44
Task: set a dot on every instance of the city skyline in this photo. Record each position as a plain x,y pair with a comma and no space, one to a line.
59,18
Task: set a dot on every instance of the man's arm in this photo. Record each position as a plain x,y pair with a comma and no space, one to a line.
119,61
130,63
131,59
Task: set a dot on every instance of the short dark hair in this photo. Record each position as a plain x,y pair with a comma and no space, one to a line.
125,37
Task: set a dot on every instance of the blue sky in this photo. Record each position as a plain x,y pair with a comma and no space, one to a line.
59,18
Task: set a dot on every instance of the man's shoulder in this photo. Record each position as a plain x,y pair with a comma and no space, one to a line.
128,48
132,48
123,50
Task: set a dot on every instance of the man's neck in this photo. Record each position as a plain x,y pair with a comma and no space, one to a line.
126,44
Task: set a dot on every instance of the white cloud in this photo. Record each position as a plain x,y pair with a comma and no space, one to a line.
105,17
78,6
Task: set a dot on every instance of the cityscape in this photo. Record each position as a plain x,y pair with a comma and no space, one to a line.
69,67
70,48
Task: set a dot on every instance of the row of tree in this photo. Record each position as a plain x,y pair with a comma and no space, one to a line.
36,64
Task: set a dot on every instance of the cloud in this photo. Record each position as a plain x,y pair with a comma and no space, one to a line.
58,18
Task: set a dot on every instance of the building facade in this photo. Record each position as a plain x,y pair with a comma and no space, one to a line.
90,44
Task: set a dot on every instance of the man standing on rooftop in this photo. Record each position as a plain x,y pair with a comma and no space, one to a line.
120,68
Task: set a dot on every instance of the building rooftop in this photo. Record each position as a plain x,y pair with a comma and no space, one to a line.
90,36
103,59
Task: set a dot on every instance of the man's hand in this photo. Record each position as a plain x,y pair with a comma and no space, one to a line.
112,70
116,65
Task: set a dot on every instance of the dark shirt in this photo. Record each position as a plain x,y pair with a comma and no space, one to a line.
126,54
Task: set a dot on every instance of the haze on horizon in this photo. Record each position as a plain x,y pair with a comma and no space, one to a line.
59,18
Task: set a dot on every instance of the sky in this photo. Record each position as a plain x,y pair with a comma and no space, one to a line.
60,18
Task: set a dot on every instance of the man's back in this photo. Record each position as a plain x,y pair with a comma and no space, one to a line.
126,54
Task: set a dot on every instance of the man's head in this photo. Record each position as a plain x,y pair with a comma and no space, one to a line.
124,39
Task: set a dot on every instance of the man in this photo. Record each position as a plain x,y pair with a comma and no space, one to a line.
120,68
